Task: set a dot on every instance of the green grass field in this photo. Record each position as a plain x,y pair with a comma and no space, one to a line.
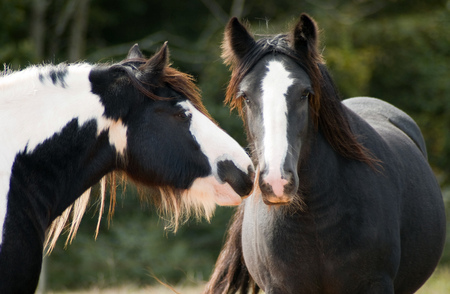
439,283
134,290
191,289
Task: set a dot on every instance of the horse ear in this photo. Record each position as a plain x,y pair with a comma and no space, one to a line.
134,52
154,67
305,36
237,42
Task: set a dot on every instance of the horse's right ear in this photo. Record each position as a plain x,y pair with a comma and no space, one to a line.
237,42
154,67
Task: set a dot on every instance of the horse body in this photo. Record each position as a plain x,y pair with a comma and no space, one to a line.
353,207
350,238
39,123
422,224
65,127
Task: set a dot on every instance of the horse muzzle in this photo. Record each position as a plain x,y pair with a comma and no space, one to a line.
241,181
278,190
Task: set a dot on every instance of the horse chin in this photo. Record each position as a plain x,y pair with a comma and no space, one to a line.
277,200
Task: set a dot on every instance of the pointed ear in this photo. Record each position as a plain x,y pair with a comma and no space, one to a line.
237,42
305,37
135,53
160,60
154,67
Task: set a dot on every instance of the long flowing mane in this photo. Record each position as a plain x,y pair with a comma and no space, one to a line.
326,110
177,205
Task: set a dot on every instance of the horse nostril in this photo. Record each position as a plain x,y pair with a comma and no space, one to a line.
291,183
289,187
239,180
265,188
280,187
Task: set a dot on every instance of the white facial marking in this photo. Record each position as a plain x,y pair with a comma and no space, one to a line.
33,110
214,142
274,108
217,146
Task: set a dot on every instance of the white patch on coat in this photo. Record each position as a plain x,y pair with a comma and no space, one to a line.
217,145
33,110
274,87
117,133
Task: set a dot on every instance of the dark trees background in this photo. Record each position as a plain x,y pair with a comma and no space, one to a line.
396,50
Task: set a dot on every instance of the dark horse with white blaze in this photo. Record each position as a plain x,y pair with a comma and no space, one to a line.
65,127
345,200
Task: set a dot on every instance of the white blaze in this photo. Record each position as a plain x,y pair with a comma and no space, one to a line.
274,109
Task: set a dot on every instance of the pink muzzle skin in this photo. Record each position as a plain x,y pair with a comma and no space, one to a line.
276,184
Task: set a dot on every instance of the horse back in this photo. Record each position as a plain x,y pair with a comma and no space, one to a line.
377,112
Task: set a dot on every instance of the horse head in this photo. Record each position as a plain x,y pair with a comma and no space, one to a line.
168,139
271,86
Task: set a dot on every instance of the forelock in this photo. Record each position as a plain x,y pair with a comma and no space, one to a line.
278,44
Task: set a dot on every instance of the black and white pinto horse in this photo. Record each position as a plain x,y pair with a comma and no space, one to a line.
345,200
65,127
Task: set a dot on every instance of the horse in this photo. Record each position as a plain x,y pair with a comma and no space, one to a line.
344,199
64,127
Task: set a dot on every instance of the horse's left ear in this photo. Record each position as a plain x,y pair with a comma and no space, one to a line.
305,36
135,53
154,67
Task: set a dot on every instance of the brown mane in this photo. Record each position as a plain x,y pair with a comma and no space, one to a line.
326,110
180,82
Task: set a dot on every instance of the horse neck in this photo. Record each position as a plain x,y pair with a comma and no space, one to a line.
54,135
318,165
40,101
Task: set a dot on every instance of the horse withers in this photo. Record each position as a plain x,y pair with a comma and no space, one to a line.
65,127
345,200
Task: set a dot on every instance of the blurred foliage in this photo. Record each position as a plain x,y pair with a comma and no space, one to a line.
135,249
404,61
396,50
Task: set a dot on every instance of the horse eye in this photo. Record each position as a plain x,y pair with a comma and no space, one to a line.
244,97
183,115
306,94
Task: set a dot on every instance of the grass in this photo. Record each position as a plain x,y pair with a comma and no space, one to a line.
133,290
439,283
